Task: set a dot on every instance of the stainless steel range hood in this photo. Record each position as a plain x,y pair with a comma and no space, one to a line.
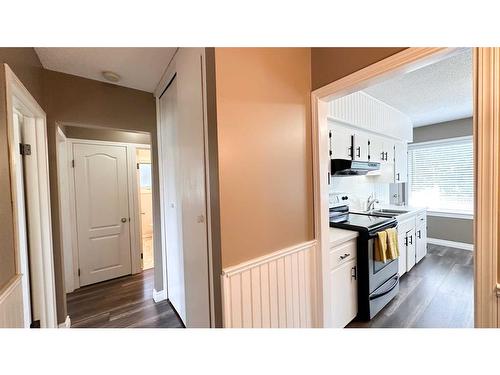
342,167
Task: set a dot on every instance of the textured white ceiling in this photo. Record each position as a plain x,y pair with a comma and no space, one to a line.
436,93
139,68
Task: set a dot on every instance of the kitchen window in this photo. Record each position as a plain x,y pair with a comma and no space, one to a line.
441,177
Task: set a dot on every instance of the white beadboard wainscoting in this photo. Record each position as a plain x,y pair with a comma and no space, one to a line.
364,111
277,290
11,304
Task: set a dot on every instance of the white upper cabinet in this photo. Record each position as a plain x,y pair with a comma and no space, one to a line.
365,112
381,150
400,162
340,141
360,146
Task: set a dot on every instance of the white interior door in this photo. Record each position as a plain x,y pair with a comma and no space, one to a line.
102,211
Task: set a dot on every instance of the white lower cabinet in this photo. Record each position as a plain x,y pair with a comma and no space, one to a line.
345,294
412,241
421,237
343,283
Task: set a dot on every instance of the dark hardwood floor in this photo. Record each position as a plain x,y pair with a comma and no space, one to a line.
125,302
437,293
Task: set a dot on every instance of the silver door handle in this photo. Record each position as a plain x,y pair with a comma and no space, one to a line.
124,220
342,257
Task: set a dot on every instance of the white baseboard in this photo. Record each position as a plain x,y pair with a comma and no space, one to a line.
159,296
66,323
456,245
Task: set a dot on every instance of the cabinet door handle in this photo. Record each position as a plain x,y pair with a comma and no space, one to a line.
411,239
406,241
354,273
358,151
342,257
397,177
349,151
382,157
386,156
419,234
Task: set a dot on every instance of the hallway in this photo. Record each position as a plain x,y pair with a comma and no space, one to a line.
126,302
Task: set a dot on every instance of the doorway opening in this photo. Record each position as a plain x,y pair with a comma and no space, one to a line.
106,194
397,151
145,191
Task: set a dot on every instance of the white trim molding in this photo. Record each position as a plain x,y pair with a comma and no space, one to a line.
486,123
454,244
33,192
66,323
272,291
159,295
451,215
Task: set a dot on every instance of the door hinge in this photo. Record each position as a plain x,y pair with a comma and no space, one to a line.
137,165
24,148
142,256
73,163
78,272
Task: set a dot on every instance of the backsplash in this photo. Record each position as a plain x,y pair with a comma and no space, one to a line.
360,188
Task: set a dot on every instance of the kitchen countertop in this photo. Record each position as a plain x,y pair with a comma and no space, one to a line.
411,210
339,236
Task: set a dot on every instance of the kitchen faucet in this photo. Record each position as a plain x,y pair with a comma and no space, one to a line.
370,203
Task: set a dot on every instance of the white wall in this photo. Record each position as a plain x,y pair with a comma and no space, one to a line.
360,188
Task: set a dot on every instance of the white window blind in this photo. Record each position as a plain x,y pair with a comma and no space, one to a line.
441,175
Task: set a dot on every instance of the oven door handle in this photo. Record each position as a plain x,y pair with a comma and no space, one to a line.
396,281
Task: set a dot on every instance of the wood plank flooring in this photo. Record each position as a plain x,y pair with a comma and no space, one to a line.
436,293
126,302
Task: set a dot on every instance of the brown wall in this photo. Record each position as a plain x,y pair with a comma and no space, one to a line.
71,99
100,134
26,65
264,135
330,64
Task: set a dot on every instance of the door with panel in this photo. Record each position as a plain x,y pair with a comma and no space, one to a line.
102,211
410,249
421,237
344,306
360,146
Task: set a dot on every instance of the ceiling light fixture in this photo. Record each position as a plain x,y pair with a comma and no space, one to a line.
111,76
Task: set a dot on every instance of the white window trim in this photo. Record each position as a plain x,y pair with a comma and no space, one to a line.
453,214
440,142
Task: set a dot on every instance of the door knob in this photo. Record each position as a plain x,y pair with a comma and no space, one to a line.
124,219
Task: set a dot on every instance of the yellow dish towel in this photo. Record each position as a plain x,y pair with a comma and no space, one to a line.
392,244
381,246
386,245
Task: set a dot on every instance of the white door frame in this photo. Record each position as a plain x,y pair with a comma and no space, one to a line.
19,99
403,62
135,240
63,173
169,74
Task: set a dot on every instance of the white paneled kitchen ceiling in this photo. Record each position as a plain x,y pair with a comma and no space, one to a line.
436,93
139,68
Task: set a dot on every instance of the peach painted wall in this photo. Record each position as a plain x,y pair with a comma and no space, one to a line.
264,136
